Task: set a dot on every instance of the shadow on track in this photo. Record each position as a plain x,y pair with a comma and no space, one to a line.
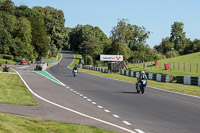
129,92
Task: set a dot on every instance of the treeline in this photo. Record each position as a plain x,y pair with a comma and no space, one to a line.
130,40
126,39
31,33
177,44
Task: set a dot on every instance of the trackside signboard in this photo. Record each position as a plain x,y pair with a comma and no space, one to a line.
111,57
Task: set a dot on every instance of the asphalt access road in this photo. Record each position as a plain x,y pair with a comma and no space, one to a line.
155,111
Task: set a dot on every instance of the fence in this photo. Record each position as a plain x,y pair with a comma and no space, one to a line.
173,66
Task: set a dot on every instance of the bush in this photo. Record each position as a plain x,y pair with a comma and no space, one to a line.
18,58
1,56
159,56
8,57
97,63
89,60
170,54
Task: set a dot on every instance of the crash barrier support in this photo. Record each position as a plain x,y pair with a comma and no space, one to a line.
151,76
96,69
188,80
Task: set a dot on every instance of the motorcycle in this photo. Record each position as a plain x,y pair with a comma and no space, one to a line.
75,72
140,87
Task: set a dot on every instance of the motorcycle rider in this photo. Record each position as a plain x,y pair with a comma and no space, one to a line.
141,77
75,68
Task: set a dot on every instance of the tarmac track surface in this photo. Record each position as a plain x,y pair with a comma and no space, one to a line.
155,111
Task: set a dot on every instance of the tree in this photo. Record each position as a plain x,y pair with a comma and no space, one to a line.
129,37
196,45
165,46
7,6
40,39
23,34
6,42
192,46
54,25
91,47
178,37
129,34
82,33
121,32
121,49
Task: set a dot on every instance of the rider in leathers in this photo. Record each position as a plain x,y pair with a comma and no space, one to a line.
141,77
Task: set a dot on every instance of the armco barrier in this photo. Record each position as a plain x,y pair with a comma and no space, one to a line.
188,80
96,69
151,76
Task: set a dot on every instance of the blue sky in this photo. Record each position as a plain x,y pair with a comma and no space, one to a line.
156,16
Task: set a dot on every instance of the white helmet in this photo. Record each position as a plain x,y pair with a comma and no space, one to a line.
142,72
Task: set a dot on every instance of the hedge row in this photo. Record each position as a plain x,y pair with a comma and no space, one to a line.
10,57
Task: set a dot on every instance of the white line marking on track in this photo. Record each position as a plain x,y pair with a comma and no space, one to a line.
100,107
71,110
89,100
127,123
93,103
106,110
139,131
116,116
84,97
67,87
81,95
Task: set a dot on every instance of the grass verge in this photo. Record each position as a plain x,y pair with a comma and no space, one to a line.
13,91
185,89
54,62
9,62
16,124
186,65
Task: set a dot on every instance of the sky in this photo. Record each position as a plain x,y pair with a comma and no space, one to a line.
156,16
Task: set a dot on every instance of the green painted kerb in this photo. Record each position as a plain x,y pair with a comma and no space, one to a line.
44,73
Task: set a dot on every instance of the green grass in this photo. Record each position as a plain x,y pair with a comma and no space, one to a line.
16,124
13,91
76,60
53,58
177,66
10,70
9,62
185,89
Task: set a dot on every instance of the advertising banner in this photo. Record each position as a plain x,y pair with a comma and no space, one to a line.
111,57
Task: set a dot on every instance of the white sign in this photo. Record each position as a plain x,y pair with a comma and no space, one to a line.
111,57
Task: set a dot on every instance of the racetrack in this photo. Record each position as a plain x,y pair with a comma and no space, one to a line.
155,111
106,103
